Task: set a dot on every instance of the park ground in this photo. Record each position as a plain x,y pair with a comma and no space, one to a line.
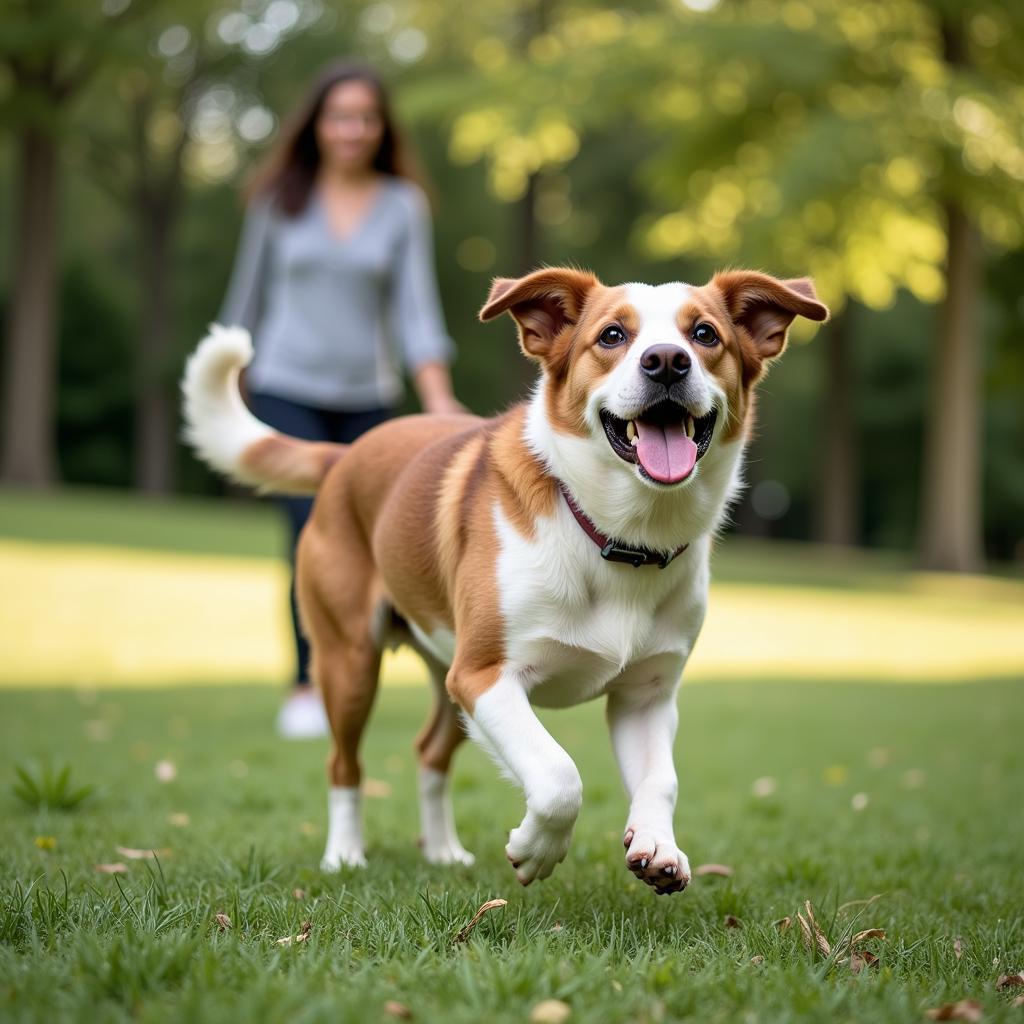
852,737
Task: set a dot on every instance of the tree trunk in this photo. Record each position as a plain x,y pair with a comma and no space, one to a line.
837,499
29,398
155,411
950,536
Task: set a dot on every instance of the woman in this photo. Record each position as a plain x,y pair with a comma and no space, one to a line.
334,263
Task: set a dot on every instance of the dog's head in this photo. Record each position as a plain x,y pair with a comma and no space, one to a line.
660,377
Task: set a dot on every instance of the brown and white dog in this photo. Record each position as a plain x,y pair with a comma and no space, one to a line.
548,556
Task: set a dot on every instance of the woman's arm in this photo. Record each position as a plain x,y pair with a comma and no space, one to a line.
243,304
417,317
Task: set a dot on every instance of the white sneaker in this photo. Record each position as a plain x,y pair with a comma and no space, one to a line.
302,715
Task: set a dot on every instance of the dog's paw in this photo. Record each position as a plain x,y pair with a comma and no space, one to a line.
450,852
535,851
334,859
656,861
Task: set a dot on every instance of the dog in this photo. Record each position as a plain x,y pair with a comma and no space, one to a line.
551,555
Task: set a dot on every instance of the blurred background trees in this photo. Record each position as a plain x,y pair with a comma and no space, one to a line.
876,146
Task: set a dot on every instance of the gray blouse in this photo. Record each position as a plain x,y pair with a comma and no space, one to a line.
325,312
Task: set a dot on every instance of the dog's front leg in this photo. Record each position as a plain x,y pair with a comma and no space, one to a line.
643,722
502,721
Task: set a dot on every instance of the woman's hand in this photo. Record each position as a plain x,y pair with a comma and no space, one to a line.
433,384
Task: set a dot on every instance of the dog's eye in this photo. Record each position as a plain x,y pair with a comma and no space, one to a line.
704,334
612,337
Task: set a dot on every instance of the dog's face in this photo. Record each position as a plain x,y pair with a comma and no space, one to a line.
658,376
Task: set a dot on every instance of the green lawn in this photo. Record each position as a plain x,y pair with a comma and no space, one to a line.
934,840
939,846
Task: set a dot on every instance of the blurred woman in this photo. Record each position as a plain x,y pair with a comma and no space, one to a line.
334,279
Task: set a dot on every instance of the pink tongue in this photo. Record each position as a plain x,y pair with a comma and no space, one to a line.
666,455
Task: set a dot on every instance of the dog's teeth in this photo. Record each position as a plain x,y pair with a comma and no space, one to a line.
690,429
631,432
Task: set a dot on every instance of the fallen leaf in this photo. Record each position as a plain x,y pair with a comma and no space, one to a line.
859,960
763,787
165,771
179,820
298,894
399,1010
731,921
616,984
783,924
137,854
713,869
813,935
223,921
958,947
304,931
870,933
117,868
376,789
756,960
965,1009
489,905
1010,981
46,842
550,1011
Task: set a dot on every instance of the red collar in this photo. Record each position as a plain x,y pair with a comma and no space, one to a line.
615,551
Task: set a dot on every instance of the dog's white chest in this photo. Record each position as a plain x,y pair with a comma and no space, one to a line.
574,623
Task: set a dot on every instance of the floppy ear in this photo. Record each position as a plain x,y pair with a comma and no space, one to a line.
765,306
542,304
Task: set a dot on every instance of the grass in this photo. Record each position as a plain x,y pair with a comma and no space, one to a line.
935,851
938,848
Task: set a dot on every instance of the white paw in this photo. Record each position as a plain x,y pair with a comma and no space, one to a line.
655,859
535,849
345,856
447,853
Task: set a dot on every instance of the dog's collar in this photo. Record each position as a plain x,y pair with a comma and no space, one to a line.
613,550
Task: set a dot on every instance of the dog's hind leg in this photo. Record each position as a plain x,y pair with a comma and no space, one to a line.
337,615
435,745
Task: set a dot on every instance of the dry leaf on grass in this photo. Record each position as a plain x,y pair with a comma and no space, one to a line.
179,820
723,870
376,789
783,924
1010,981
117,868
298,894
304,931
965,1009
958,947
223,921
756,960
489,905
550,1011
869,933
398,1010
859,960
133,853
731,921
813,935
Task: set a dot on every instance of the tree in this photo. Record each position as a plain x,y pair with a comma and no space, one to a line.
50,53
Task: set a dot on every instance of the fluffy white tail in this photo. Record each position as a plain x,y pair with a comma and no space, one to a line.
226,436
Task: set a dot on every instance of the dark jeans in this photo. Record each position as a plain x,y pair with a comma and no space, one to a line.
311,424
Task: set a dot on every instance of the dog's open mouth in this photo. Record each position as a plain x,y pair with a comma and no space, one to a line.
665,440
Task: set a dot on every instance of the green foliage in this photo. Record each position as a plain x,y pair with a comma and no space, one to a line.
48,787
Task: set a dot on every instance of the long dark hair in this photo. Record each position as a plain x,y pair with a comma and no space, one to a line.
288,171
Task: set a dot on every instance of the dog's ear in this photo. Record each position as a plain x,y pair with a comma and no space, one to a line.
542,304
764,307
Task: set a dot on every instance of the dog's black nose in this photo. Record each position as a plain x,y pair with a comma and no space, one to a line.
665,364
